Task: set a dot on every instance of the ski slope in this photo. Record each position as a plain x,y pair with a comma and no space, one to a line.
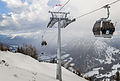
19,67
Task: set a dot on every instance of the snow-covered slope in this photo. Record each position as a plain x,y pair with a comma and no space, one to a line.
19,67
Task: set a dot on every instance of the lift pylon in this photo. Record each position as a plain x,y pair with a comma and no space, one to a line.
63,21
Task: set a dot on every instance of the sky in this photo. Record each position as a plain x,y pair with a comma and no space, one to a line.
25,16
3,8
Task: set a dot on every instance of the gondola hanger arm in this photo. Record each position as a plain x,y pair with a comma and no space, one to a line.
108,11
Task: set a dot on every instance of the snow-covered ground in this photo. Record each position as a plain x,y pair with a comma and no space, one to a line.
19,67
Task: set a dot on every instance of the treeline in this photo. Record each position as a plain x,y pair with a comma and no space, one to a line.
116,77
28,50
4,47
24,49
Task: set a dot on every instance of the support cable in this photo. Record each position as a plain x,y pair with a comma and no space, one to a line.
64,5
88,13
97,9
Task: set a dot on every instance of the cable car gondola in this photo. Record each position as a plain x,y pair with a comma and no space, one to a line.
104,27
44,43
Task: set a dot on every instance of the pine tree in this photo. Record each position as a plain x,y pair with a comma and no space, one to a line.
28,50
117,76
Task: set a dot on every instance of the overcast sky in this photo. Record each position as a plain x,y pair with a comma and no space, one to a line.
25,16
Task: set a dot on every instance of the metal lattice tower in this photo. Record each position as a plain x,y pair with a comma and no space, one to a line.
63,21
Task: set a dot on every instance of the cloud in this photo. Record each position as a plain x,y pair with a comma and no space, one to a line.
85,24
32,15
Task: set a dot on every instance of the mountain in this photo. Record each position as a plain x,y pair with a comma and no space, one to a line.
18,40
107,59
95,57
29,40
19,67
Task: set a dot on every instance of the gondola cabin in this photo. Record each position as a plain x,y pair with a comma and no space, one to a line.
44,43
103,28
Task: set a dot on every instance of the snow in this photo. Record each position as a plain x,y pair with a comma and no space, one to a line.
19,67
100,60
93,72
109,52
101,47
116,66
68,61
109,74
65,56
